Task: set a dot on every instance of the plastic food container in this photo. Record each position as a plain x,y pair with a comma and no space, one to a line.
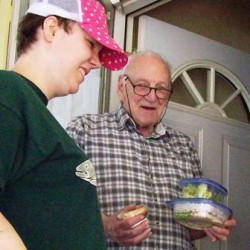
199,213
202,188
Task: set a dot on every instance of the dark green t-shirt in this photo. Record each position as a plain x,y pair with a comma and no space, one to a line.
40,193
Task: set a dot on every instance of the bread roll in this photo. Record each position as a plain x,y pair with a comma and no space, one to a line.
143,210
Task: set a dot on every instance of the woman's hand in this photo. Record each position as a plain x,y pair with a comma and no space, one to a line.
9,239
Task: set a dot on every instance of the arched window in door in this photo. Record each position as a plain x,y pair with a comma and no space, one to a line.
212,89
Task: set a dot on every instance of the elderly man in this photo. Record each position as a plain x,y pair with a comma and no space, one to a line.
140,160
46,203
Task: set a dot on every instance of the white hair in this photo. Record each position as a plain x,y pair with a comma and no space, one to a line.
152,53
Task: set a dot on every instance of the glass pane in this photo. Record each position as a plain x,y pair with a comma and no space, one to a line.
223,89
237,110
199,78
181,94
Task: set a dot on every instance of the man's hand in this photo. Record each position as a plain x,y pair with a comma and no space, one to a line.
217,233
126,232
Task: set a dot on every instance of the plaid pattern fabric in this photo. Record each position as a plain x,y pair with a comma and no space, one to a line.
132,169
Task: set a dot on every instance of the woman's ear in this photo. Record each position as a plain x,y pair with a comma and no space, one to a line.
50,27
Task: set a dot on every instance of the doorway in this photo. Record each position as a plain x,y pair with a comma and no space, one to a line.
221,139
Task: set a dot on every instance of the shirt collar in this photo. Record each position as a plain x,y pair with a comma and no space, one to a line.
124,120
38,91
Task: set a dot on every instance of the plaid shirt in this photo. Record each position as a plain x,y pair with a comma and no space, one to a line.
132,169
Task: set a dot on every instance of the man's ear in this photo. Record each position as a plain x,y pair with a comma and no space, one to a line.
50,27
120,87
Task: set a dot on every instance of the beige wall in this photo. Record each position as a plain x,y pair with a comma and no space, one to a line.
5,16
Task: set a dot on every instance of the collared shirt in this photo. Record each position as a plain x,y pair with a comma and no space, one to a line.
132,169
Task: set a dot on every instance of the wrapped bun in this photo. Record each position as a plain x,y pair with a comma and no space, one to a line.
143,210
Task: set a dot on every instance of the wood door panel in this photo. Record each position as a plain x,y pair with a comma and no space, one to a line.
236,170
224,150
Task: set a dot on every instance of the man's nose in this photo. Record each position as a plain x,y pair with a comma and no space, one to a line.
152,95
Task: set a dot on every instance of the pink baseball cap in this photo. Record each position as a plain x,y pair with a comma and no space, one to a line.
91,16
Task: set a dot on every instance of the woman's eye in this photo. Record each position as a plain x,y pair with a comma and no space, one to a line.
91,44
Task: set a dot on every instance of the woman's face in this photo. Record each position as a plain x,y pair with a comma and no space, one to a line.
75,54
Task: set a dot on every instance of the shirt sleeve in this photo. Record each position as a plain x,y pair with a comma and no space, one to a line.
76,131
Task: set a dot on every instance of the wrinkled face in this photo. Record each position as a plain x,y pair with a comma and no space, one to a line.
146,111
74,55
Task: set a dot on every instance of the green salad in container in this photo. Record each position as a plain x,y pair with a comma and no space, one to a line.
202,188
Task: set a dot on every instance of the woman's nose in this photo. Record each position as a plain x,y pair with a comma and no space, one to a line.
95,60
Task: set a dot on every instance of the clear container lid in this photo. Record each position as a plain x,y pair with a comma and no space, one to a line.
215,185
201,201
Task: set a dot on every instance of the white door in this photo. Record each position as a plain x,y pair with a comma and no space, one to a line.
224,150
223,143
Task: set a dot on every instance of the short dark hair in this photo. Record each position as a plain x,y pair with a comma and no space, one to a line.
27,30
